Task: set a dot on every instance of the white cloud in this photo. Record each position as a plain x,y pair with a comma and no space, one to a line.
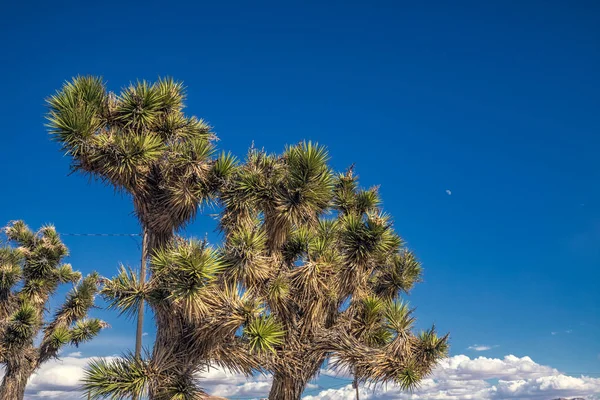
449,192
145,334
461,377
74,354
456,378
480,347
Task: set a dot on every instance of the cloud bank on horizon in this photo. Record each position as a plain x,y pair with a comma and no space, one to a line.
456,378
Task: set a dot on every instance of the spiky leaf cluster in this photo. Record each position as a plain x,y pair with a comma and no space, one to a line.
325,259
142,142
203,317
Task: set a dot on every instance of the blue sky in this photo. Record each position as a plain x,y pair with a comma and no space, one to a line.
496,102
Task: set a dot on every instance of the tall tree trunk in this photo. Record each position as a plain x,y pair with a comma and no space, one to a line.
14,382
140,315
139,333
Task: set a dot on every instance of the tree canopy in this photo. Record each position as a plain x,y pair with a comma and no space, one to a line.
31,272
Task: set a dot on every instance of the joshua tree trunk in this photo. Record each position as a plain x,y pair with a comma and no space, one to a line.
286,387
291,387
14,382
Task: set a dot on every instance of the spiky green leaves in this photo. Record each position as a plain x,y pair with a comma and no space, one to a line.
29,275
367,239
124,160
280,191
124,292
409,377
399,317
59,337
183,274
40,251
431,346
309,180
120,378
397,274
10,269
85,330
140,141
244,258
65,274
369,322
349,199
77,112
223,167
78,301
21,327
139,105
161,377
264,334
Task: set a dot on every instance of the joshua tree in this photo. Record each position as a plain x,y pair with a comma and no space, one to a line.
30,274
327,262
221,326
141,142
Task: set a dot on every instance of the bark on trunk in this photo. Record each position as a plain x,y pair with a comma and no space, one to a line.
287,387
291,387
166,325
14,382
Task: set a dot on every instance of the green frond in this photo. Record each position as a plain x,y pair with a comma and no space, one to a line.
124,292
296,245
371,310
345,187
36,290
65,274
264,334
367,201
308,182
85,330
224,166
400,273
60,336
10,269
124,159
432,346
278,290
368,239
139,105
236,307
76,113
21,327
81,89
196,127
171,94
409,377
78,301
185,271
121,378
244,257
20,233
190,156
399,316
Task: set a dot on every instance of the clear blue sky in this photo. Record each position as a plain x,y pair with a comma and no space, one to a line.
497,102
